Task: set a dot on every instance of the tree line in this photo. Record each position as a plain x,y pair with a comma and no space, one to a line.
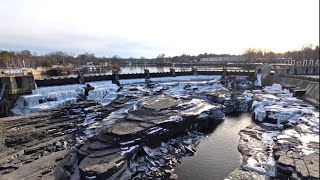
306,52
27,59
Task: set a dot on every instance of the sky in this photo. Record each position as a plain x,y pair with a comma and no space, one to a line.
136,28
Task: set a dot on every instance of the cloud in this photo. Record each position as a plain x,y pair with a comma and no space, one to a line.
148,28
76,43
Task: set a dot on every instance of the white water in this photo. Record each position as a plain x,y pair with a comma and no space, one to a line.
258,81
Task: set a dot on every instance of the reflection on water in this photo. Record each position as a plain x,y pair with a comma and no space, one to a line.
217,155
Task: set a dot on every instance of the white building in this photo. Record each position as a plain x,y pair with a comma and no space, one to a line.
223,59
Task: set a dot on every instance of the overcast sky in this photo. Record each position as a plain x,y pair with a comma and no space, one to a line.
150,27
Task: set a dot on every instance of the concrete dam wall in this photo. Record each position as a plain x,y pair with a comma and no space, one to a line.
74,80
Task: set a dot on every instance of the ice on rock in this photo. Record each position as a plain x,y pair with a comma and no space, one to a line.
276,87
44,90
281,114
156,129
128,149
190,88
270,167
270,125
130,142
148,151
311,121
203,116
55,96
260,114
282,109
304,138
199,106
306,150
308,138
34,103
173,119
104,92
171,79
268,136
258,81
118,114
103,95
253,165
185,78
245,102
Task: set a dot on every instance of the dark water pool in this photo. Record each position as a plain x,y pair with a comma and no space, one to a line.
217,155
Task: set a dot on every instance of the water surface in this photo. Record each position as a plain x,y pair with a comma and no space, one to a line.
217,155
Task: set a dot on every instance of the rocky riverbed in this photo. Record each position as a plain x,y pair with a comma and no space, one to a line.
286,143
146,129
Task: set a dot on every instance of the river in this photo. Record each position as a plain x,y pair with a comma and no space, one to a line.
217,155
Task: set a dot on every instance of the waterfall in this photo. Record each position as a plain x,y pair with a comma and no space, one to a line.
35,85
258,81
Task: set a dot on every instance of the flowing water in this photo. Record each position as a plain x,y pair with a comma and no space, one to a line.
217,155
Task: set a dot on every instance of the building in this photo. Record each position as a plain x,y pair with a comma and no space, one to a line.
222,59
90,66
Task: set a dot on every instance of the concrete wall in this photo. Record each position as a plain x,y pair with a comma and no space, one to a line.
263,69
312,88
314,70
16,84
